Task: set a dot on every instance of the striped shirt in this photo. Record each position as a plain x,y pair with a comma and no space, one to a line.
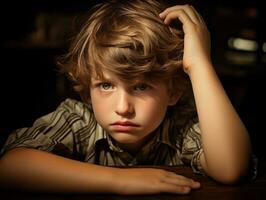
72,131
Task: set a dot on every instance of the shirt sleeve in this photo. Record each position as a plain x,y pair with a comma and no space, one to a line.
192,148
52,132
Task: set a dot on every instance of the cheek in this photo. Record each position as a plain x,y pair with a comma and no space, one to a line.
100,108
152,113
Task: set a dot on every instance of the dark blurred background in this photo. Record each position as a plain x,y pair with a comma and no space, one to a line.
33,34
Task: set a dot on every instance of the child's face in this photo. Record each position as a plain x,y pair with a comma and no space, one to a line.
129,113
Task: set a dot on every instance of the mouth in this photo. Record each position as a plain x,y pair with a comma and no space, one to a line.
124,126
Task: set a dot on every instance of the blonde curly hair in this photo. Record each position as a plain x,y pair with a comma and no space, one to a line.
127,38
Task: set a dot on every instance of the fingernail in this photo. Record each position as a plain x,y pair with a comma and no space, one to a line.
196,184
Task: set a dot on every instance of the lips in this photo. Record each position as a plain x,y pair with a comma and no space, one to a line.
126,123
124,126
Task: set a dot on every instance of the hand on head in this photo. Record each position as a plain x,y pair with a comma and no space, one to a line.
197,37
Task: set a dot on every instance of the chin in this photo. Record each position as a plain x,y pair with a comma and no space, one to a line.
125,138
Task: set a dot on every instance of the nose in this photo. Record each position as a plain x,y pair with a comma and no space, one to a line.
124,104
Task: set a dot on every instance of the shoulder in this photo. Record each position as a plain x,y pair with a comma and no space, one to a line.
75,107
69,112
76,110
72,105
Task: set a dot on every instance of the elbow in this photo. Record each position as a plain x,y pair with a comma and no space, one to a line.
232,175
230,178
234,172
230,171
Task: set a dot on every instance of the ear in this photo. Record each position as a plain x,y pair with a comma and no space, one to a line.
173,98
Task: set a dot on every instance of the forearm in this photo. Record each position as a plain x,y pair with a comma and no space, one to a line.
225,139
34,170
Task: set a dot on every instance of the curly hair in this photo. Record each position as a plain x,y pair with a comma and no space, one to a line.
127,38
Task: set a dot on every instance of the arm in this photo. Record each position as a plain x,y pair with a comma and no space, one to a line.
35,170
226,143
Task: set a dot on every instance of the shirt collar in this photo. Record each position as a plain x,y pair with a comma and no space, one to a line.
162,135
101,134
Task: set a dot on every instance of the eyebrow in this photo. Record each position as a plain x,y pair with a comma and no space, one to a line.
129,82
98,78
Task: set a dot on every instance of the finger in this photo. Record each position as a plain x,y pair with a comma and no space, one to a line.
167,11
171,9
186,8
177,179
171,188
183,182
175,175
192,13
180,14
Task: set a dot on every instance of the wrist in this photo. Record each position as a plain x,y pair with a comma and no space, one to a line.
108,179
118,181
201,67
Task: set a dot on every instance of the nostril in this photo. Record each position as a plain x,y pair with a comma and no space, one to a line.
125,109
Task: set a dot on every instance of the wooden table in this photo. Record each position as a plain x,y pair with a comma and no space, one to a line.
210,190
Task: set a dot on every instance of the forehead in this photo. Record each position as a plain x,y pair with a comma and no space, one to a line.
106,75
103,74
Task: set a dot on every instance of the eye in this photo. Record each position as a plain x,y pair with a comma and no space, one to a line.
142,87
105,86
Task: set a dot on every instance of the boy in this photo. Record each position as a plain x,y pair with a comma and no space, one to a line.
131,68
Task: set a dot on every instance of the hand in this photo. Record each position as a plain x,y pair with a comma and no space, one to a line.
197,37
152,181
